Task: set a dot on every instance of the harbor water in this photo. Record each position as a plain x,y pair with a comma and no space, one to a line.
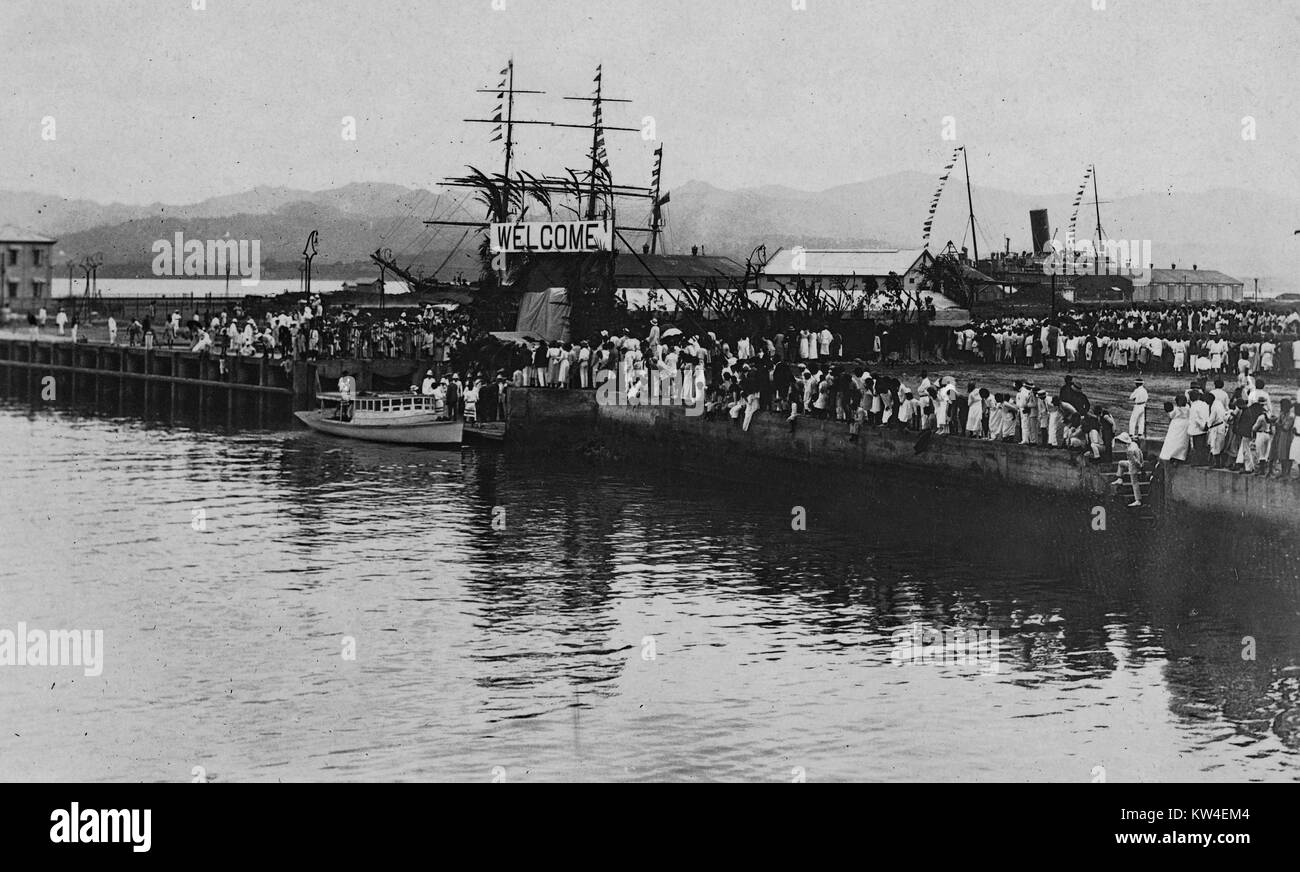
282,605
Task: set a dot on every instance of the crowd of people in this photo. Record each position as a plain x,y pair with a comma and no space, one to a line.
312,333
667,356
1234,425
1168,338
477,396
308,332
1226,418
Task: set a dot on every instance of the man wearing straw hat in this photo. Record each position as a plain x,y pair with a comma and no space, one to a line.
1132,465
1137,422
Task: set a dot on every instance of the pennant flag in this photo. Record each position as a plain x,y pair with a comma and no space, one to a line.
664,199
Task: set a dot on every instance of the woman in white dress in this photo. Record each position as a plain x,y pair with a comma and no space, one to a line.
1176,439
1295,443
1219,424
562,374
975,412
553,355
947,397
803,346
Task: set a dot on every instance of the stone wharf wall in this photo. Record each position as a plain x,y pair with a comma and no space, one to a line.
1268,500
538,415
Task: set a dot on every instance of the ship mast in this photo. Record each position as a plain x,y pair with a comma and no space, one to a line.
504,119
599,156
971,206
600,183
1097,203
657,202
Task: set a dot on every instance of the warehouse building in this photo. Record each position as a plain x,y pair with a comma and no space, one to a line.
1189,286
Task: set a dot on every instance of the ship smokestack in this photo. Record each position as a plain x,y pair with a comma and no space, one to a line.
1038,226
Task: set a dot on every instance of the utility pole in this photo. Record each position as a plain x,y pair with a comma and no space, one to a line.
1053,293
383,256
226,258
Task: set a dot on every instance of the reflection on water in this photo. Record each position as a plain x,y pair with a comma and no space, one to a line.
627,624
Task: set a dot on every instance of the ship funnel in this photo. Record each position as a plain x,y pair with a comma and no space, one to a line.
1039,228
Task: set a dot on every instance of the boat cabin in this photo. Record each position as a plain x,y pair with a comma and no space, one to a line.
387,408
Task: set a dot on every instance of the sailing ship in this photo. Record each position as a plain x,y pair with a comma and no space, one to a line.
510,195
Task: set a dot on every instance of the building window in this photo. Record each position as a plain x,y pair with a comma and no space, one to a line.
13,287
38,256
13,256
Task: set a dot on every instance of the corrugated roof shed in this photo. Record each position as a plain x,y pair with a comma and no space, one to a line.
878,262
674,266
1192,277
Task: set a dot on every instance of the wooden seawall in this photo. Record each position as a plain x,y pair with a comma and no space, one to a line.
157,381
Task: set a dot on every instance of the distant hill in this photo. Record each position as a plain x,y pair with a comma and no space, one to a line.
352,221
1242,233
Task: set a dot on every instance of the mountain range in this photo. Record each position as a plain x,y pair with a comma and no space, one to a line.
1246,234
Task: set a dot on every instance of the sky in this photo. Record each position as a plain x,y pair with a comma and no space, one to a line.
155,100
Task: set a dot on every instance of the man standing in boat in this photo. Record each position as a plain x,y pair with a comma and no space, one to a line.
348,395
